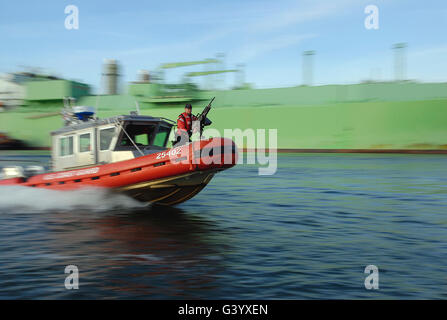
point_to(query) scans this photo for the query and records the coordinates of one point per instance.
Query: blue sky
(267, 36)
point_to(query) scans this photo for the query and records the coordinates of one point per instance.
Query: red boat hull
(167, 177)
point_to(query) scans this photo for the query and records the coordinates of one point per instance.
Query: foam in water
(25, 199)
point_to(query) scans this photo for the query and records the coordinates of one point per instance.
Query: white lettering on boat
(69, 174)
(170, 153)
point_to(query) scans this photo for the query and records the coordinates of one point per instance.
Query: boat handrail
(131, 140)
(169, 120)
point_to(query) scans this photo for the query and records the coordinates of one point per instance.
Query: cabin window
(105, 138)
(140, 134)
(142, 139)
(161, 136)
(66, 146)
(85, 142)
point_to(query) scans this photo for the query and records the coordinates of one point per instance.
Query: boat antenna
(67, 111)
(66, 104)
(72, 101)
(96, 105)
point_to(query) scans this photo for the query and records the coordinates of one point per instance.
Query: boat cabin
(91, 141)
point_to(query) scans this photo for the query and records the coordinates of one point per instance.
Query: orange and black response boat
(126, 154)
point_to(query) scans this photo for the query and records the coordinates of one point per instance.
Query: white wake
(26, 199)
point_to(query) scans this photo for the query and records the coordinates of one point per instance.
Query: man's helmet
(188, 106)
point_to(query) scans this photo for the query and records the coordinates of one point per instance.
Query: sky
(267, 37)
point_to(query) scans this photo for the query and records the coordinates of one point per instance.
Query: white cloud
(250, 50)
(296, 13)
(437, 50)
(237, 22)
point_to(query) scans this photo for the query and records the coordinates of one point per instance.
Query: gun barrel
(204, 121)
(206, 110)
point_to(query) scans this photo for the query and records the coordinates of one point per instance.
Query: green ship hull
(375, 117)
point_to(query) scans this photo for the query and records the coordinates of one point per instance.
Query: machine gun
(204, 121)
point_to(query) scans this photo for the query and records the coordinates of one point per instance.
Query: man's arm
(195, 128)
(181, 125)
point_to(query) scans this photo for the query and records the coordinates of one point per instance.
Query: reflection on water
(159, 252)
(307, 232)
(156, 252)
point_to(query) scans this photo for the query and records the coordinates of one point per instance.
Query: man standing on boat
(184, 126)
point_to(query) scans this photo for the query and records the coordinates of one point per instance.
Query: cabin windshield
(140, 134)
(162, 136)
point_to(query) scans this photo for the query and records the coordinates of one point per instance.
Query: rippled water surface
(306, 232)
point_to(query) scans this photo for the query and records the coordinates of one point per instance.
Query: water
(307, 232)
